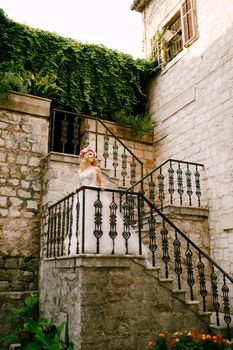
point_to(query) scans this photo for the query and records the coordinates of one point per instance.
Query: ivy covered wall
(94, 80)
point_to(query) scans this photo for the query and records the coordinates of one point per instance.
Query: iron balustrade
(67, 220)
(69, 132)
(174, 182)
(170, 249)
(192, 268)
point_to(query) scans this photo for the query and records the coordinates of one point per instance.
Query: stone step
(153, 271)
(221, 331)
(179, 293)
(205, 316)
(166, 282)
(193, 304)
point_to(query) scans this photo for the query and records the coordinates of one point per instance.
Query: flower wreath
(85, 150)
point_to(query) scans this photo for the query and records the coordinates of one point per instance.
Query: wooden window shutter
(188, 22)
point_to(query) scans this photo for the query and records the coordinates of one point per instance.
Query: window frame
(188, 22)
(186, 11)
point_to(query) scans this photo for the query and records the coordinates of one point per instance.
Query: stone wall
(23, 145)
(192, 102)
(112, 303)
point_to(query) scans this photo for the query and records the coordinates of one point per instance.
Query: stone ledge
(18, 295)
(91, 260)
(25, 103)
(62, 158)
(187, 211)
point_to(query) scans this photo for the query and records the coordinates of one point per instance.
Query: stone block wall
(192, 102)
(112, 303)
(23, 145)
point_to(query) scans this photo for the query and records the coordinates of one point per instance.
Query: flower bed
(189, 341)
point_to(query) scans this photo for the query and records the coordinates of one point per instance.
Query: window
(188, 20)
(173, 38)
(177, 33)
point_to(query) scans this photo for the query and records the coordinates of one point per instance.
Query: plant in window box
(161, 42)
(158, 47)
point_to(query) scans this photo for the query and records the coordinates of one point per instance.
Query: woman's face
(90, 156)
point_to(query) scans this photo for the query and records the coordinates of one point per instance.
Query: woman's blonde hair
(83, 157)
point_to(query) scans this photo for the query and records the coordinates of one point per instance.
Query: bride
(98, 225)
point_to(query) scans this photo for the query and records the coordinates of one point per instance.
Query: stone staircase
(161, 289)
(118, 302)
(194, 222)
(168, 284)
(207, 319)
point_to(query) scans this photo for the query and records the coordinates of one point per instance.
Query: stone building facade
(31, 179)
(191, 100)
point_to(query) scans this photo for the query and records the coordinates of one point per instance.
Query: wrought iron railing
(191, 267)
(71, 219)
(174, 182)
(176, 254)
(69, 132)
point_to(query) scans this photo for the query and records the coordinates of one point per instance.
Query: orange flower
(161, 335)
(208, 336)
(150, 343)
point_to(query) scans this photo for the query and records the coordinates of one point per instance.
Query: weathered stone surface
(192, 100)
(21, 172)
(33, 105)
(111, 308)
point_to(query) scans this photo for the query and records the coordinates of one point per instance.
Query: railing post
(139, 223)
(83, 223)
(52, 131)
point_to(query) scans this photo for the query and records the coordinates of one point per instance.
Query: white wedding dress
(83, 239)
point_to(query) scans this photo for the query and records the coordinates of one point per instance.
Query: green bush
(90, 79)
(35, 333)
(42, 85)
(140, 124)
(11, 81)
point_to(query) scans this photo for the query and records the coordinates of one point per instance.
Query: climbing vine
(91, 79)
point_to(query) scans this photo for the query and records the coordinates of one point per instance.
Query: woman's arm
(99, 178)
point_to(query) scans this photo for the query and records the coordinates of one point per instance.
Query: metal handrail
(96, 119)
(95, 188)
(151, 205)
(218, 301)
(160, 166)
(159, 184)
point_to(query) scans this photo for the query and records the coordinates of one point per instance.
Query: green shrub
(35, 333)
(141, 124)
(42, 85)
(90, 79)
(11, 81)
